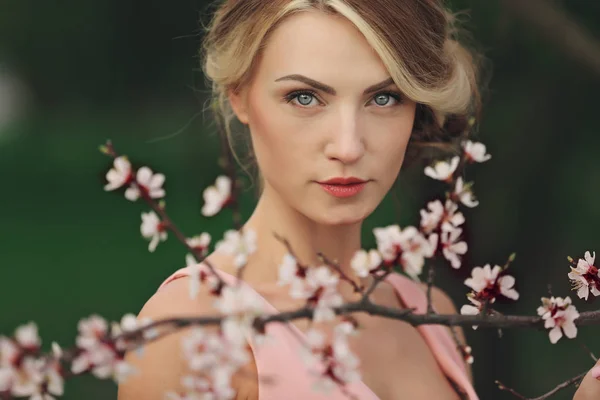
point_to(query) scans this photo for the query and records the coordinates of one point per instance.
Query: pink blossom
(154, 229)
(558, 314)
(147, 183)
(407, 247)
(321, 292)
(487, 283)
(332, 363)
(452, 248)
(216, 358)
(364, 262)
(585, 277)
(119, 174)
(464, 193)
(441, 217)
(97, 351)
(22, 373)
(216, 196)
(240, 245)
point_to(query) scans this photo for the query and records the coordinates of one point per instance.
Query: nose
(346, 142)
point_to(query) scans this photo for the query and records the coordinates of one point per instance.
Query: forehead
(322, 46)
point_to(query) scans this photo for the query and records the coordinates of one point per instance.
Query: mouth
(343, 187)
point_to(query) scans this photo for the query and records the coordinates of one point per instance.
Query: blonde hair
(415, 39)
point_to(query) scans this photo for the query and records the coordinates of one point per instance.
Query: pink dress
(283, 361)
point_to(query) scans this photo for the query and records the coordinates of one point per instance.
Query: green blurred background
(74, 73)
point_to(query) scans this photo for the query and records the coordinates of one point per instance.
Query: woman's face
(321, 105)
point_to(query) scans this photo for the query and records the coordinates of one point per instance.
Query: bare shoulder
(443, 304)
(162, 364)
(440, 299)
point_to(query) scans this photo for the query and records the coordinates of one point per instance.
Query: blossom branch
(364, 305)
(430, 278)
(574, 380)
(167, 222)
(343, 275)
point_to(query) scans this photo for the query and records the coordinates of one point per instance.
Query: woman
(335, 94)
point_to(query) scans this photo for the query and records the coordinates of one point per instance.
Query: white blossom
(152, 228)
(148, 182)
(216, 196)
(199, 275)
(408, 247)
(119, 174)
(475, 151)
(27, 336)
(452, 248)
(585, 277)
(432, 216)
(215, 357)
(319, 285)
(322, 281)
(558, 314)
(441, 217)
(452, 217)
(364, 262)
(37, 379)
(443, 170)
(200, 245)
(239, 299)
(9, 351)
(487, 283)
(97, 352)
(24, 375)
(287, 270)
(239, 245)
(333, 363)
(464, 193)
(472, 309)
(129, 323)
(7, 376)
(200, 242)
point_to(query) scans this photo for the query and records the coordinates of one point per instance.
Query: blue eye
(384, 98)
(304, 98)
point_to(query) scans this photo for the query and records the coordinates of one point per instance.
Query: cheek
(277, 139)
(390, 143)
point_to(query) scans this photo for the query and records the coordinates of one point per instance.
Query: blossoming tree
(214, 356)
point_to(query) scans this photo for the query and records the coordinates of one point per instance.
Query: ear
(238, 98)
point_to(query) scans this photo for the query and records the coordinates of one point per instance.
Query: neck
(307, 238)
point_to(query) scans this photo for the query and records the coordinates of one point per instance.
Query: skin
(299, 141)
(335, 135)
(589, 389)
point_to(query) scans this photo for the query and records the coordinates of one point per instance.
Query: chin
(344, 215)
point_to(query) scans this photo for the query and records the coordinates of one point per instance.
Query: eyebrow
(328, 89)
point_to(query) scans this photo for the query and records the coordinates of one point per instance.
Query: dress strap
(438, 337)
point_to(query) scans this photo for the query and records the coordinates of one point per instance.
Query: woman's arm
(589, 389)
(162, 363)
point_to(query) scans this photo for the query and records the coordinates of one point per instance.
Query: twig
(430, 278)
(376, 281)
(335, 266)
(168, 223)
(574, 380)
(587, 350)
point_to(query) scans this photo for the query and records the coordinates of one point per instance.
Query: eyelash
(292, 95)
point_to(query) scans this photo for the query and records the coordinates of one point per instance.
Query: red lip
(343, 181)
